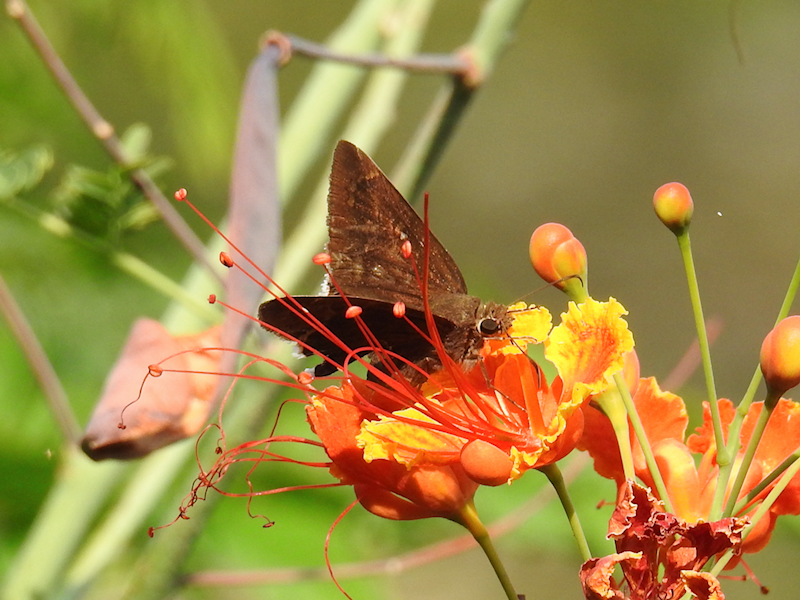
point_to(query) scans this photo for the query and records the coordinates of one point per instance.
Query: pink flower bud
(780, 357)
(674, 206)
(556, 253)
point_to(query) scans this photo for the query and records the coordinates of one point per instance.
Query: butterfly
(368, 223)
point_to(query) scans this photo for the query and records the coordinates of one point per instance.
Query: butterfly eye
(488, 326)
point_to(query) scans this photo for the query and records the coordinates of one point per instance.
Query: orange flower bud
(780, 357)
(485, 463)
(674, 206)
(555, 254)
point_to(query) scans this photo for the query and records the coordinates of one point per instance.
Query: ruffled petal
(589, 346)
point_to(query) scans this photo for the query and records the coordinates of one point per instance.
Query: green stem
(641, 437)
(612, 406)
(685, 245)
(747, 459)
(762, 511)
(553, 474)
(750, 394)
(468, 517)
(127, 263)
(766, 482)
(724, 459)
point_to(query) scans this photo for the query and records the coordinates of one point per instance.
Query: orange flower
(502, 418)
(385, 488)
(691, 485)
(413, 453)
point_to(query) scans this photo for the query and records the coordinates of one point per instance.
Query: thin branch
(42, 369)
(452, 64)
(104, 131)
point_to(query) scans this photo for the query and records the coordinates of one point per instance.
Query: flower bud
(674, 206)
(556, 254)
(485, 463)
(780, 357)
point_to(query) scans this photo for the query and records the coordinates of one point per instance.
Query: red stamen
(155, 371)
(212, 298)
(385, 385)
(180, 196)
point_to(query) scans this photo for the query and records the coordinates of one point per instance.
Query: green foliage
(106, 204)
(21, 172)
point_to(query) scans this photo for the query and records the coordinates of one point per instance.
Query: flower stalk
(556, 479)
(468, 517)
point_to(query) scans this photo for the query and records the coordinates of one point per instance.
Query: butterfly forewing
(368, 220)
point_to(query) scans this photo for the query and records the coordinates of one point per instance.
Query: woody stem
(468, 517)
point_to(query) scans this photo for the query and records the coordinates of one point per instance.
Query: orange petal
(703, 585)
(677, 467)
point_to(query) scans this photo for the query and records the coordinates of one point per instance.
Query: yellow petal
(408, 443)
(588, 346)
(530, 325)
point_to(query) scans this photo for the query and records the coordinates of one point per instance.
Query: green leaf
(105, 204)
(24, 171)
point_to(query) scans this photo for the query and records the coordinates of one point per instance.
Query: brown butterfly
(368, 222)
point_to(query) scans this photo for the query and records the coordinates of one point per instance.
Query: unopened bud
(780, 357)
(559, 258)
(674, 206)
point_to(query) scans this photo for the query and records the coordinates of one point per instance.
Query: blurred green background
(593, 107)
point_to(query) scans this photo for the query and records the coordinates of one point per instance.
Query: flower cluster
(687, 506)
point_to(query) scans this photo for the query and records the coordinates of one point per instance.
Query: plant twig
(51, 386)
(104, 131)
(452, 64)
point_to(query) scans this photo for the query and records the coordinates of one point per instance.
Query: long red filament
(479, 416)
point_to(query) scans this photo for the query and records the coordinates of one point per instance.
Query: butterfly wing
(394, 335)
(368, 221)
